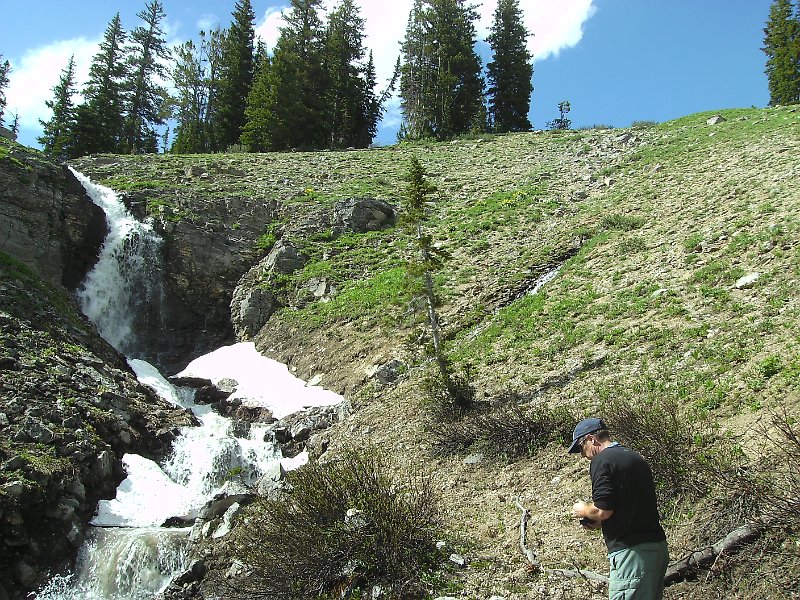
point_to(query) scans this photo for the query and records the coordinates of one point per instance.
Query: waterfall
(124, 293)
(127, 555)
(122, 564)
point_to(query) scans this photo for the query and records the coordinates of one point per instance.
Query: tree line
(782, 47)
(316, 89)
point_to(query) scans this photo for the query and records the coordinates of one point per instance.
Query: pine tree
(147, 99)
(441, 85)
(455, 393)
(297, 82)
(416, 77)
(56, 135)
(212, 48)
(235, 77)
(99, 120)
(460, 89)
(5, 69)
(188, 77)
(371, 111)
(510, 72)
(256, 133)
(346, 98)
(782, 47)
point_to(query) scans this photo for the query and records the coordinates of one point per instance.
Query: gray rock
(389, 372)
(232, 493)
(15, 489)
(284, 258)
(227, 521)
(25, 574)
(458, 560)
(360, 215)
(716, 119)
(747, 281)
(251, 308)
(473, 459)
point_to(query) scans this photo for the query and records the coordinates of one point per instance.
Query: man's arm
(589, 511)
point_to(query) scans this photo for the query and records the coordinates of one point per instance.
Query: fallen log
(697, 559)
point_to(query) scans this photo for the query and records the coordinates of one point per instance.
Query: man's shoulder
(618, 452)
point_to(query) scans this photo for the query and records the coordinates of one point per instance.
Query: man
(624, 505)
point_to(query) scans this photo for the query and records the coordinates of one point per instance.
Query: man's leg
(637, 573)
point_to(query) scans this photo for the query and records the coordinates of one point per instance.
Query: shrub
(511, 430)
(623, 222)
(645, 414)
(342, 527)
(448, 395)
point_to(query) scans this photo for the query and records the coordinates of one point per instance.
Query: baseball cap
(583, 428)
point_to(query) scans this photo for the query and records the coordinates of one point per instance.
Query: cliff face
(210, 220)
(46, 219)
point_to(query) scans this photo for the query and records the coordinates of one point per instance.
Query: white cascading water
(126, 282)
(127, 555)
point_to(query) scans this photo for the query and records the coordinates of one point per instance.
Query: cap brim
(575, 447)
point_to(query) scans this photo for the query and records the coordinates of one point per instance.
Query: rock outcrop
(46, 219)
(70, 407)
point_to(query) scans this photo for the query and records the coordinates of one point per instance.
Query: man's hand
(589, 515)
(587, 523)
(579, 509)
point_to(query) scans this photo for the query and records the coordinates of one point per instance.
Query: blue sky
(616, 61)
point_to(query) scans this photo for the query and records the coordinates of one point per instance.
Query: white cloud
(35, 75)
(555, 25)
(207, 22)
(268, 28)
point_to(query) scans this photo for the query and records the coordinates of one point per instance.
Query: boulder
(359, 215)
(284, 258)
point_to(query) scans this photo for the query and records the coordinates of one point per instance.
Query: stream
(127, 554)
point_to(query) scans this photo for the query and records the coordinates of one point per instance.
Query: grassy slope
(651, 234)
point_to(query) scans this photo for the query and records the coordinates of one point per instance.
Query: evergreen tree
(297, 82)
(348, 94)
(188, 76)
(256, 133)
(415, 77)
(372, 108)
(441, 85)
(56, 137)
(147, 99)
(5, 69)
(99, 120)
(235, 77)
(510, 72)
(15, 124)
(212, 49)
(782, 47)
(454, 391)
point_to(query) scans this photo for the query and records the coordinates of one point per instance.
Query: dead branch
(697, 559)
(531, 555)
(580, 573)
(523, 531)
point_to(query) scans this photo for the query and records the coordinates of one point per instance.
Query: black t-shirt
(623, 482)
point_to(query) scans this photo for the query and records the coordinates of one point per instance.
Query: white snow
(262, 382)
(147, 497)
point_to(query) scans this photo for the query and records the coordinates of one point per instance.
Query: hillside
(678, 254)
